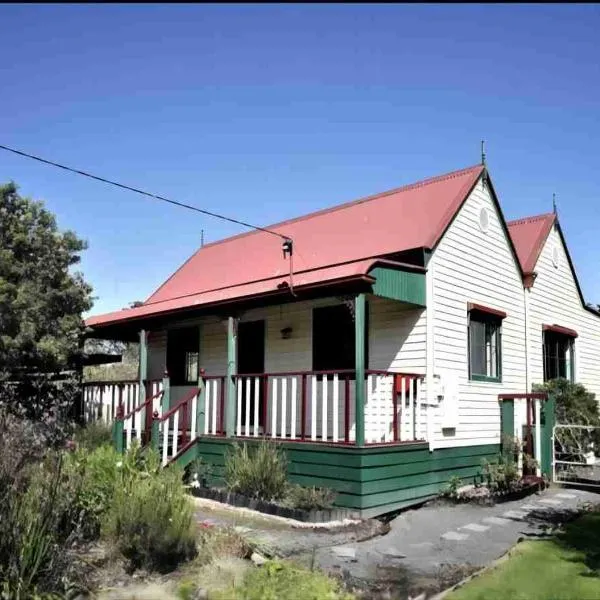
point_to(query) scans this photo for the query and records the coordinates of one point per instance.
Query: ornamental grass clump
(258, 472)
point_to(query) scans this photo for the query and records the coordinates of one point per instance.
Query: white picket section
(256, 404)
(313, 408)
(538, 435)
(238, 428)
(274, 408)
(294, 400)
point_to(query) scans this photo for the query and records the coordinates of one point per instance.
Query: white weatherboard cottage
(381, 350)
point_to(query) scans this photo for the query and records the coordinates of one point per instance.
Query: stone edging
(269, 508)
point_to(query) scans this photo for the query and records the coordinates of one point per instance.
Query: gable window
(183, 355)
(485, 343)
(559, 344)
(333, 337)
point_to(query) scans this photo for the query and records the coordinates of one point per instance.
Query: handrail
(119, 381)
(175, 408)
(143, 404)
(212, 377)
(399, 373)
(297, 373)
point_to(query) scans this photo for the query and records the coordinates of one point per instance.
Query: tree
(41, 299)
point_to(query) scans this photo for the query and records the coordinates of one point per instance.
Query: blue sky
(268, 112)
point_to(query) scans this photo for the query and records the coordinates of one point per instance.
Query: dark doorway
(251, 360)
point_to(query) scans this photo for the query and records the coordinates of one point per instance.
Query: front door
(251, 360)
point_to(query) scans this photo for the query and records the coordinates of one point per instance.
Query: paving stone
(528, 507)
(566, 496)
(497, 521)
(514, 515)
(392, 553)
(550, 501)
(475, 527)
(454, 536)
(241, 529)
(344, 552)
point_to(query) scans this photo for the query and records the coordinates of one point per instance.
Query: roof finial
(554, 204)
(483, 152)
(202, 238)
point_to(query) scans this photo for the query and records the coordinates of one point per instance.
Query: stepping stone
(475, 527)
(454, 536)
(515, 515)
(422, 545)
(528, 507)
(241, 529)
(345, 552)
(497, 521)
(550, 501)
(392, 553)
(567, 496)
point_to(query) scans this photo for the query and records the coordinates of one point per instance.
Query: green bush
(94, 435)
(277, 581)
(151, 520)
(259, 472)
(310, 498)
(92, 477)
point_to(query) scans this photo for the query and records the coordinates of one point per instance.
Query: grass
(565, 567)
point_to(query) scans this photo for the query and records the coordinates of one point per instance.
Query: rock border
(270, 508)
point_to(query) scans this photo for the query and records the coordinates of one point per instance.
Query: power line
(142, 192)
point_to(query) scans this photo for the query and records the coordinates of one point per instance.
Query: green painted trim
(474, 377)
(188, 456)
(507, 417)
(155, 434)
(547, 418)
(360, 315)
(118, 435)
(143, 364)
(230, 404)
(405, 286)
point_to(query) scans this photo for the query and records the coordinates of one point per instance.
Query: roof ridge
(531, 219)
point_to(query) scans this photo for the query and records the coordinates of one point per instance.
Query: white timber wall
(554, 300)
(471, 265)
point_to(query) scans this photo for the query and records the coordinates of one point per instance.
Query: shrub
(151, 519)
(92, 477)
(275, 580)
(259, 472)
(94, 435)
(310, 498)
(198, 473)
(451, 489)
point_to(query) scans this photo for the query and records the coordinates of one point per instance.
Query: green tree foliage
(41, 298)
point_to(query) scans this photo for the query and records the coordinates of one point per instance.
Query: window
(183, 355)
(334, 338)
(485, 345)
(558, 355)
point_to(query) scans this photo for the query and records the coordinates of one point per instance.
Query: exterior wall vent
(484, 219)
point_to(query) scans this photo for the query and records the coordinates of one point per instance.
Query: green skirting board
(370, 480)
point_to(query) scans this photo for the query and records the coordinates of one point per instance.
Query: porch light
(286, 333)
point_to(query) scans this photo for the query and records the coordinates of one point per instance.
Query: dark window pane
(484, 345)
(558, 356)
(183, 355)
(333, 338)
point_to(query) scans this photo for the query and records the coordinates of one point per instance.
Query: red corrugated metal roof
(328, 245)
(528, 236)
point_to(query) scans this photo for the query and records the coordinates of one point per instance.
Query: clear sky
(268, 112)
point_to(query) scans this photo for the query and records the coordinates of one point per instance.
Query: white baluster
(256, 404)
(418, 432)
(193, 419)
(128, 424)
(401, 427)
(324, 402)
(247, 403)
(293, 407)
(274, 409)
(313, 409)
(538, 436)
(371, 430)
(336, 407)
(207, 405)
(283, 407)
(239, 383)
(215, 389)
(175, 432)
(138, 424)
(165, 426)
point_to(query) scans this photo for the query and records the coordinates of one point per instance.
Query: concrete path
(437, 545)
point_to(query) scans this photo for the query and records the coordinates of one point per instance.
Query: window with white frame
(485, 344)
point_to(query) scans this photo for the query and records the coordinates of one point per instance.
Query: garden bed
(272, 508)
(481, 495)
